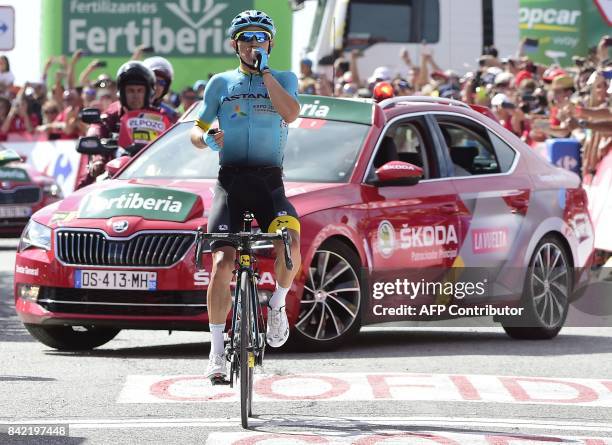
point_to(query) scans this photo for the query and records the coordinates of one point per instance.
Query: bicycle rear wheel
(247, 358)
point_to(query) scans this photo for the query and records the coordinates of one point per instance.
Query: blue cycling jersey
(255, 134)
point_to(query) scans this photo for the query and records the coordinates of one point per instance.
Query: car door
(410, 228)
(493, 188)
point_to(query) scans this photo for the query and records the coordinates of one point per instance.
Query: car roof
(366, 111)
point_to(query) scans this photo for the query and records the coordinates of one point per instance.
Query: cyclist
(163, 79)
(253, 105)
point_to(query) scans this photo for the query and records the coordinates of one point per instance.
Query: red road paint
(376, 386)
(465, 387)
(381, 388)
(265, 388)
(163, 388)
(585, 394)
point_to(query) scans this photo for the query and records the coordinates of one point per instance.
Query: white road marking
(335, 387)
(328, 422)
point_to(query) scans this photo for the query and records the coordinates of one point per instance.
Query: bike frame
(246, 265)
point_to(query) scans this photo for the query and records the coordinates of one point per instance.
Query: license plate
(15, 212)
(115, 279)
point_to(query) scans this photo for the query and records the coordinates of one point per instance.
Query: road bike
(247, 338)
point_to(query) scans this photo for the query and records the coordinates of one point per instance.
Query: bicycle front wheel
(247, 357)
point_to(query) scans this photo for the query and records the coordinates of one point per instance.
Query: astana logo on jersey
(237, 113)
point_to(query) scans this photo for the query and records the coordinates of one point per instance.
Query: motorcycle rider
(136, 85)
(163, 79)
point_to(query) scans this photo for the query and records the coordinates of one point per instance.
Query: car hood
(169, 204)
(19, 174)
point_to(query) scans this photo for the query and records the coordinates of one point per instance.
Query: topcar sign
(175, 28)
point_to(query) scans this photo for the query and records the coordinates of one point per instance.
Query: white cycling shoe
(217, 368)
(277, 331)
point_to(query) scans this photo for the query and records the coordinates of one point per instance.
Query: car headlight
(52, 191)
(35, 235)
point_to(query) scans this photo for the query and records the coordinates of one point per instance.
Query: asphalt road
(391, 385)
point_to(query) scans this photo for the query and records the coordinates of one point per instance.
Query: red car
(23, 191)
(410, 185)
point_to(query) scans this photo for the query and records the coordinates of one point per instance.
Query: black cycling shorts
(257, 189)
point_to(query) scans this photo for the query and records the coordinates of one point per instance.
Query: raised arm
(283, 96)
(76, 56)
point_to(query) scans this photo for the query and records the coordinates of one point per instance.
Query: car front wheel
(72, 338)
(330, 308)
(546, 295)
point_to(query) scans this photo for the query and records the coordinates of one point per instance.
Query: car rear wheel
(546, 293)
(330, 308)
(72, 338)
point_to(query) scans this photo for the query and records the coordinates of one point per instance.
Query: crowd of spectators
(533, 101)
(48, 108)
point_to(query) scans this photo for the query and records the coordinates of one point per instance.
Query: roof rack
(421, 99)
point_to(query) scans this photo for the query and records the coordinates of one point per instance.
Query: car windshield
(316, 151)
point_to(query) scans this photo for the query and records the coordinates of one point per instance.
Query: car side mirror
(90, 115)
(112, 167)
(398, 173)
(7, 156)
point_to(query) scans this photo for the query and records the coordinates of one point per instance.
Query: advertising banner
(58, 159)
(563, 28)
(191, 34)
(600, 204)
(148, 202)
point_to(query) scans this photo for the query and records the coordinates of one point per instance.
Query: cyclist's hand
(214, 140)
(261, 55)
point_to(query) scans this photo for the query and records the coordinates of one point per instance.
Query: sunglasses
(162, 82)
(249, 36)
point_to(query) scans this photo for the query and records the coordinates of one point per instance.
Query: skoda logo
(120, 226)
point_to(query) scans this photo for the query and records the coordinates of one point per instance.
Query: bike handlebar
(240, 237)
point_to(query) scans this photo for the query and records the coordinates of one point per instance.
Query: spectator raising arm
(84, 78)
(46, 68)
(76, 56)
(139, 52)
(58, 87)
(355, 54)
(423, 76)
(602, 49)
(18, 118)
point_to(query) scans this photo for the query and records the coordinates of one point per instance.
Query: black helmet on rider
(136, 73)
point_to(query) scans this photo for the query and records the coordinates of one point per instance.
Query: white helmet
(162, 68)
